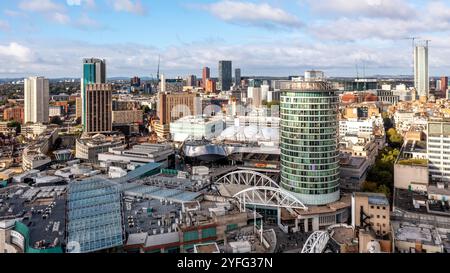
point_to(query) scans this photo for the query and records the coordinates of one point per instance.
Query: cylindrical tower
(309, 142)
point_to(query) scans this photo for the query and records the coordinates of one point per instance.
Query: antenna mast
(159, 65)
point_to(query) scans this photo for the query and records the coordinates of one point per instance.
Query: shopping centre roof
(94, 215)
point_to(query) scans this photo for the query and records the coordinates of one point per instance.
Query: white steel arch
(268, 197)
(317, 242)
(249, 178)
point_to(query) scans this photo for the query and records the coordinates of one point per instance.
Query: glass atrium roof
(94, 215)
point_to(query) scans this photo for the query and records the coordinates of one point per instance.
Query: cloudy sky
(271, 37)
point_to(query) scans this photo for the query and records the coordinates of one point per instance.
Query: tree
(15, 124)
(56, 120)
(385, 190)
(369, 186)
(146, 109)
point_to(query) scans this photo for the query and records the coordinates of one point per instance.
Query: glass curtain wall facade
(225, 75)
(94, 71)
(309, 142)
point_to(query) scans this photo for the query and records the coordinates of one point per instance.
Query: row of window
(321, 99)
(311, 182)
(316, 168)
(306, 154)
(312, 173)
(309, 143)
(311, 192)
(438, 147)
(306, 161)
(294, 116)
(303, 125)
(325, 106)
(299, 136)
(318, 152)
(303, 94)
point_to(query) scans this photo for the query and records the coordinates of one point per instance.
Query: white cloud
(13, 13)
(16, 51)
(372, 8)
(85, 22)
(88, 3)
(40, 6)
(51, 10)
(248, 13)
(278, 57)
(434, 17)
(130, 6)
(4, 26)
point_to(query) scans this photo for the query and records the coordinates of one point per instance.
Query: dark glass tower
(94, 72)
(225, 75)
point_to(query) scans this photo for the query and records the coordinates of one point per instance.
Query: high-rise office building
(94, 72)
(206, 74)
(421, 71)
(210, 86)
(225, 75)
(314, 75)
(438, 147)
(172, 106)
(309, 142)
(191, 80)
(163, 84)
(135, 81)
(36, 95)
(444, 86)
(237, 77)
(98, 108)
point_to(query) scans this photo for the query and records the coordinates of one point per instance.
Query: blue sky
(272, 37)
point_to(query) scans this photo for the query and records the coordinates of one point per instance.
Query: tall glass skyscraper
(225, 75)
(94, 72)
(237, 77)
(309, 142)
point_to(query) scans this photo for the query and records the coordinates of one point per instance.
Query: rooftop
(40, 211)
(207, 248)
(94, 215)
(150, 216)
(374, 198)
(424, 234)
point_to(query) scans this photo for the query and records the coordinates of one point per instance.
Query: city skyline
(50, 37)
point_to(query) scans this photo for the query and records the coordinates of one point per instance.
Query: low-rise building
(35, 155)
(421, 238)
(196, 128)
(353, 172)
(371, 210)
(127, 117)
(88, 148)
(14, 114)
(141, 154)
